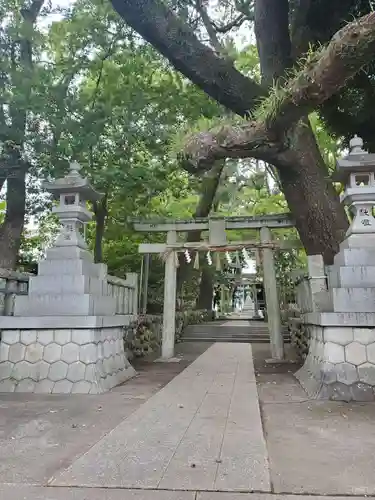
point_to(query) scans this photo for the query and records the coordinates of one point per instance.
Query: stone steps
(211, 332)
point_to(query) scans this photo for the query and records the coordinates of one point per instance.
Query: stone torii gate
(217, 227)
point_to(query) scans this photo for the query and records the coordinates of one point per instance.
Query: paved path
(201, 432)
(199, 438)
(39, 493)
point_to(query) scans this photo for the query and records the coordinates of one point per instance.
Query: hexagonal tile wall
(24, 370)
(6, 369)
(4, 351)
(364, 336)
(17, 353)
(44, 337)
(58, 371)
(62, 337)
(43, 367)
(346, 373)
(342, 336)
(355, 353)
(34, 353)
(370, 349)
(44, 386)
(8, 385)
(62, 387)
(366, 373)
(62, 361)
(88, 353)
(82, 337)
(28, 336)
(10, 336)
(334, 353)
(52, 353)
(81, 387)
(76, 371)
(25, 385)
(70, 353)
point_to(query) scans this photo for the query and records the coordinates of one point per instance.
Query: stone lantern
(357, 172)
(72, 192)
(65, 335)
(340, 364)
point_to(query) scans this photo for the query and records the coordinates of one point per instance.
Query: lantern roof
(73, 183)
(358, 160)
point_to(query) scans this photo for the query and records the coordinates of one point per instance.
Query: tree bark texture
(321, 221)
(272, 36)
(283, 136)
(12, 227)
(206, 290)
(101, 212)
(13, 166)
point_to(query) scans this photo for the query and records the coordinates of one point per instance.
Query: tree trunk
(210, 184)
(12, 227)
(320, 218)
(206, 290)
(272, 36)
(14, 167)
(100, 211)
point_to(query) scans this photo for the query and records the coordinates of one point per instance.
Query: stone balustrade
(125, 291)
(12, 283)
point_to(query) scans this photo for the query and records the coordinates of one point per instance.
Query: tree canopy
(180, 109)
(298, 76)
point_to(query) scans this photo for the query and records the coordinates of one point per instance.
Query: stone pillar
(272, 299)
(317, 277)
(169, 309)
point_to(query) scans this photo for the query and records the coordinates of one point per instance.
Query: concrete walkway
(201, 432)
(198, 438)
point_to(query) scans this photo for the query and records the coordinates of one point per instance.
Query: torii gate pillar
(169, 309)
(272, 299)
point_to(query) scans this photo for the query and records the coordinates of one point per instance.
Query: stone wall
(299, 337)
(89, 361)
(144, 335)
(340, 364)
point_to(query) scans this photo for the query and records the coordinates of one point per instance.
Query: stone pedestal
(340, 364)
(41, 357)
(341, 361)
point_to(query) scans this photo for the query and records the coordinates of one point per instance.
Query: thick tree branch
(272, 34)
(175, 40)
(347, 53)
(240, 141)
(327, 72)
